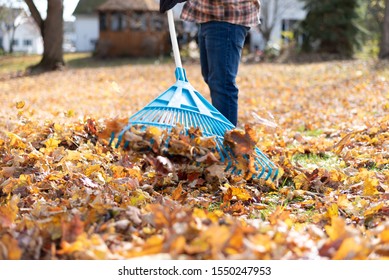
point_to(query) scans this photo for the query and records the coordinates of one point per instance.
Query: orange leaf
(241, 193)
(10, 248)
(20, 104)
(177, 193)
(8, 212)
(384, 236)
(112, 126)
(241, 143)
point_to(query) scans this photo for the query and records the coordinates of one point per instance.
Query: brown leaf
(242, 143)
(177, 193)
(71, 230)
(114, 125)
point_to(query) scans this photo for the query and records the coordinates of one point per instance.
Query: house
(86, 25)
(22, 31)
(282, 16)
(132, 28)
(290, 14)
(69, 36)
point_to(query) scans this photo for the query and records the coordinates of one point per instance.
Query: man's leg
(221, 46)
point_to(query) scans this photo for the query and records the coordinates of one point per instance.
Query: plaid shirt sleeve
(242, 12)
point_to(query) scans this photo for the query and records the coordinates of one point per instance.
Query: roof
(86, 7)
(125, 5)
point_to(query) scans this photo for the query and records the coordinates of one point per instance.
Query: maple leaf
(241, 143)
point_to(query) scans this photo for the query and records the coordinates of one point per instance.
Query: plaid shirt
(242, 12)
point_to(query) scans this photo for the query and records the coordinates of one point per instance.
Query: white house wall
(25, 32)
(295, 11)
(87, 32)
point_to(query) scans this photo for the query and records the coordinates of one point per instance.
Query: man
(223, 26)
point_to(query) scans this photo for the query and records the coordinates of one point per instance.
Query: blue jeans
(221, 45)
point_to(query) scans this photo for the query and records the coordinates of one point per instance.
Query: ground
(65, 193)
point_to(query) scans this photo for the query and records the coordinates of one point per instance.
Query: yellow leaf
(384, 236)
(20, 104)
(337, 229)
(241, 193)
(16, 141)
(337, 176)
(370, 186)
(91, 169)
(153, 132)
(350, 250)
(300, 181)
(70, 113)
(138, 197)
(332, 210)
(58, 128)
(52, 143)
(178, 245)
(10, 247)
(117, 170)
(73, 155)
(374, 209)
(9, 212)
(342, 143)
(343, 202)
(199, 213)
(35, 154)
(197, 245)
(153, 245)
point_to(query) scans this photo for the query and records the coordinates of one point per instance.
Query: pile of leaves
(67, 193)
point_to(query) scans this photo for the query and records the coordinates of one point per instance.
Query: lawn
(65, 193)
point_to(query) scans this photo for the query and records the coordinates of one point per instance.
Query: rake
(182, 104)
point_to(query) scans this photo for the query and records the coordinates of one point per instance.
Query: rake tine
(112, 138)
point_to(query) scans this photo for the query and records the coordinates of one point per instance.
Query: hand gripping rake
(182, 104)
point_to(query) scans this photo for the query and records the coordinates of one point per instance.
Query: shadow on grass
(16, 66)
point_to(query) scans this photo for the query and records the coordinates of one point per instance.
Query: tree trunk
(11, 41)
(52, 33)
(384, 50)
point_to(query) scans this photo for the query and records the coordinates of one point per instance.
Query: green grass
(307, 132)
(17, 62)
(311, 161)
(214, 206)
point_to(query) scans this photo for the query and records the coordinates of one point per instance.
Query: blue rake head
(182, 104)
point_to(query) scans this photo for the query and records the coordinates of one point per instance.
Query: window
(103, 21)
(138, 21)
(156, 23)
(15, 42)
(27, 42)
(117, 21)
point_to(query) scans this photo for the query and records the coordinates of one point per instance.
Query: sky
(69, 6)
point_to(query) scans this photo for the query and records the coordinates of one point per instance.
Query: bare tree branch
(35, 14)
